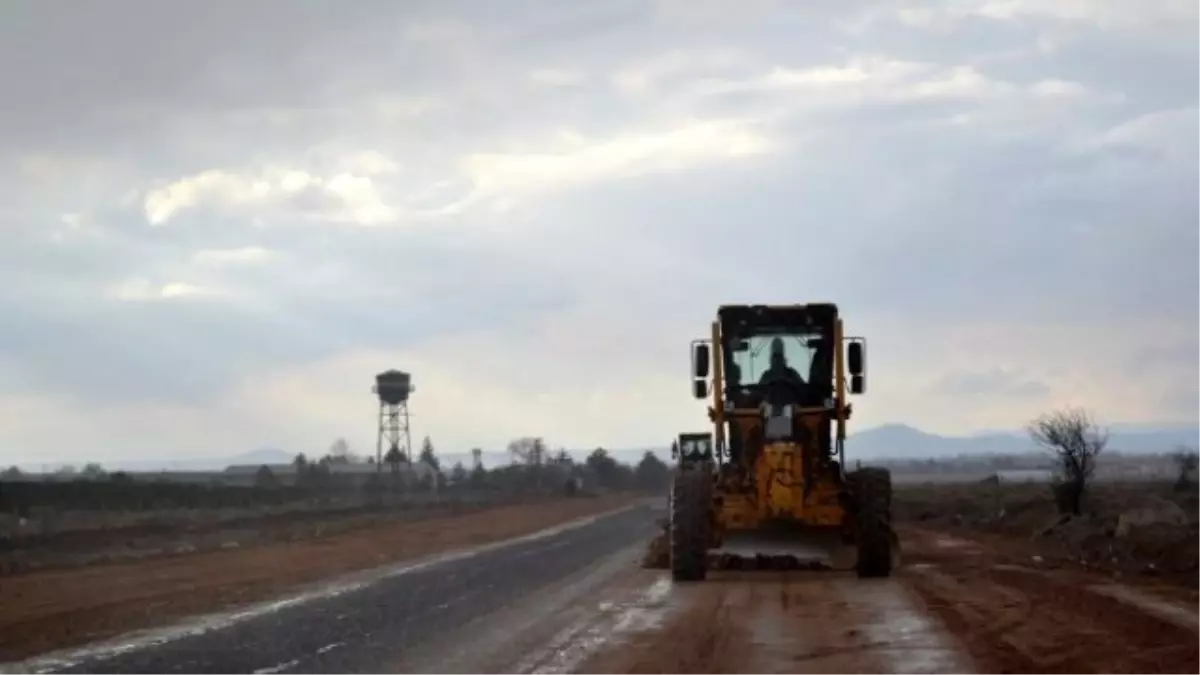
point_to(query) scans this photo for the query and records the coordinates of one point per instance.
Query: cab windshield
(698, 447)
(751, 357)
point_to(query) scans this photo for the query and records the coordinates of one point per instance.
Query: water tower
(393, 388)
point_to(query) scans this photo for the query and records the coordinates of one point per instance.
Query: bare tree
(93, 471)
(1186, 461)
(265, 478)
(394, 458)
(340, 452)
(1076, 441)
(529, 451)
(429, 455)
(458, 473)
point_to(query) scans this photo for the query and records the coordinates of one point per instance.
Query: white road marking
(330, 647)
(143, 639)
(278, 668)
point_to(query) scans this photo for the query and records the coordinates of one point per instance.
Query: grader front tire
(872, 490)
(690, 524)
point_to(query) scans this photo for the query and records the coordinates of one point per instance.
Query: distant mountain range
(896, 441)
(216, 463)
(901, 441)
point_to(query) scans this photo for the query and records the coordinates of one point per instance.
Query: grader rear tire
(872, 492)
(690, 523)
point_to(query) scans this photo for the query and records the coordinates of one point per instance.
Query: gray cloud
(327, 293)
(989, 383)
(230, 195)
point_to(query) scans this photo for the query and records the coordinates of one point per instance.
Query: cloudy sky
(220, 219)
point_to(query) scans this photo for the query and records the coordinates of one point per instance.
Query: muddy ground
(48, 609)
(1014, 613)
(991, 579)
(1130, 530)
(73, 538)
(955, 605)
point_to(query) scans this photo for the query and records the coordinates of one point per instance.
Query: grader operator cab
(694, 447)
(773, 488)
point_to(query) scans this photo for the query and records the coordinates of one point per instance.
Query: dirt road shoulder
(1016, 617)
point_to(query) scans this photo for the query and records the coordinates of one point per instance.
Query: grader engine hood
(789, 474)
(779, 483)
(782, 450)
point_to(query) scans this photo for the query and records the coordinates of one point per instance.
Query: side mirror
(854, 358)
(857, 384)
(701, 358)
(700, 388)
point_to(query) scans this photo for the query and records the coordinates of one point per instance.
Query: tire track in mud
(702, 636)
(982, 621)
(772, 622)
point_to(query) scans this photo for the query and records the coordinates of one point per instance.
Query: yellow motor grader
(768, 486)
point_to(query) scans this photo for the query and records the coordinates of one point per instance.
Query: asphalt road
(371, 628)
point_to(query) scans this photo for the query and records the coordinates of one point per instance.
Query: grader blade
(765, 549)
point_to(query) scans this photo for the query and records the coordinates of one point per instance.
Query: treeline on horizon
(534, 472)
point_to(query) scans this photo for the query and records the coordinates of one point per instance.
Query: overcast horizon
(887, 442)
(221, 219)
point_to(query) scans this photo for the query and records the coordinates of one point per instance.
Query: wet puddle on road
(901, 634)
(753, 621)
(847, 625)
(646, 611)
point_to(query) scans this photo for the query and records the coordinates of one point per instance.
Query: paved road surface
(395, 620)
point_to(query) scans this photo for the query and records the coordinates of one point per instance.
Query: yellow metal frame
(718, 386)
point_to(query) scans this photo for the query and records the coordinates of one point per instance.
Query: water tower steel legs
(394, 432)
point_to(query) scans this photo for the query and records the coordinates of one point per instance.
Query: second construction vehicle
(769, 482)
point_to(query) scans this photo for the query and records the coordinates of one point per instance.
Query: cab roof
(812, 313)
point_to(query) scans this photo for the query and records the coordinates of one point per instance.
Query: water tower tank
(393, 386)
